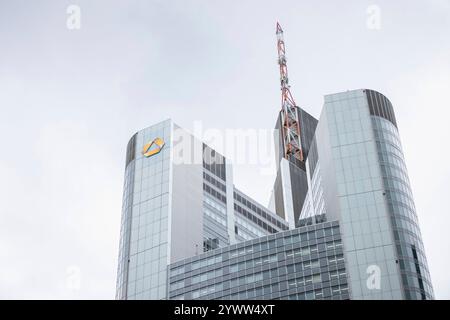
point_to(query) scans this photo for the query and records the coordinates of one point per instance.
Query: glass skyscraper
(342, 224)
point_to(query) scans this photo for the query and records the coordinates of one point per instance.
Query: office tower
(178, 202)
(291, 183)
(294, 131)
(188, 233)
(357, 175)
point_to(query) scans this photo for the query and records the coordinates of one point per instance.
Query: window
(290, 269)
(315, 264)
(258, 276)
(306, 251)
(318, 294)
(300, 282)
(259, 291)
(334, 274)
(177, 285)
(310, 295)
(316, 278)
(195, 279)
(177, 271)
(195, 265)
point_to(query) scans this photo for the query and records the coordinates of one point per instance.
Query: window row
(301, 266)
(257, 292)
(216, 205)
(216, 217)
(249, 227)
(336, 259)
(207, 276)
(303, 281)
(252, 263)
(267, 216)
(304, 251)
(207, 290)
(206, 262)
(214, 193)
(253, 218)
(214, 182)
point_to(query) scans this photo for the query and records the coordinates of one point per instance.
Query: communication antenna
(289, 115)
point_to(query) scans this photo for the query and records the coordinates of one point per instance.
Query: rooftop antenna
(289, 115)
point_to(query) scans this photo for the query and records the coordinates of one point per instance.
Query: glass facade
(144, 240)
(188, 233)
(215, 231)
(301, 264)
(375, 205)
(365, 222)
(253, 220)
(163, 195)
(408, 240)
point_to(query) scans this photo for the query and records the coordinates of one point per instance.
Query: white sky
(70, 100)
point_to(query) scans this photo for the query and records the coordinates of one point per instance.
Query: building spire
(289, 115)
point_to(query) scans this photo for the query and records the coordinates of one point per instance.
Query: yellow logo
(157, 145)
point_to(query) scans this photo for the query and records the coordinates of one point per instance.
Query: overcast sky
(71, 99)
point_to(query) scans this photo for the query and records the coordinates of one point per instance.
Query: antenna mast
(289, 115)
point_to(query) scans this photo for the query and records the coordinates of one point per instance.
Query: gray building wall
(327, 166)
(187, 197)
(301, 264)
(357, 189)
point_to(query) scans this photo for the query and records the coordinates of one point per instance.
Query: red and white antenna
(289, 115)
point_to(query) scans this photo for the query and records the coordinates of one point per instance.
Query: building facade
(343, 224)
(291, 183)
(299, 264)
(357, 175)
(178, 203)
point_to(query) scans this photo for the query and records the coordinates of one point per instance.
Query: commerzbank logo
(152, 148)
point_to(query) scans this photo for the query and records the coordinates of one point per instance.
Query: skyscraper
(357, 175)
(178, 202)
(291, 183)
(344, 224)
